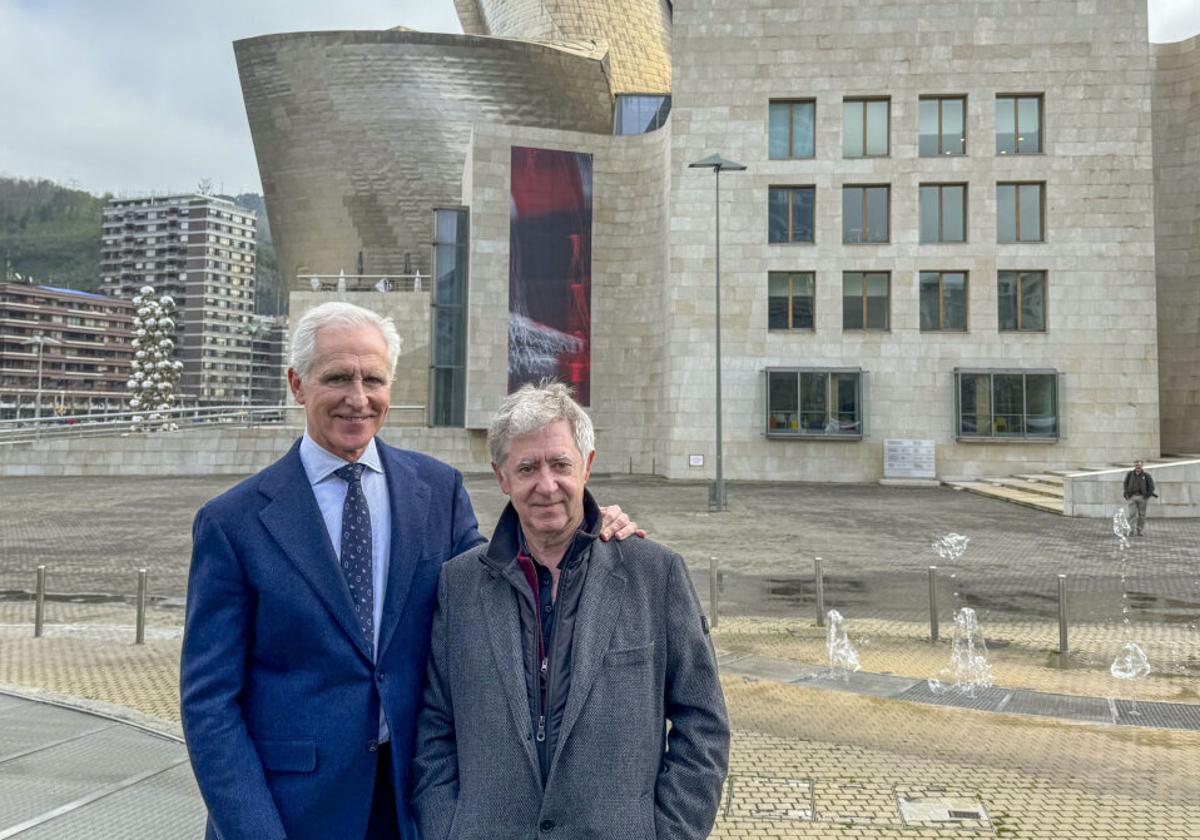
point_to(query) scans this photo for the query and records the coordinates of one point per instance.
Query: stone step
(1037, 501)
(1027, 486)
(1044, 478)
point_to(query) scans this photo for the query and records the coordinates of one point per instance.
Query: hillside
(52, 233)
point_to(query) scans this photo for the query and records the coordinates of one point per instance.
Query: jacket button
(372, 745)
(379, 676)
(547, 825)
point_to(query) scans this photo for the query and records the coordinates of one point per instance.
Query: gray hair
(336, 313)
(533, 408)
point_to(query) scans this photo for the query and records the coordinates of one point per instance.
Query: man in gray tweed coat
(557, 661)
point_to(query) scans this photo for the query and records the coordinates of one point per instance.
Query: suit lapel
(295, 522)
(504, 633)
(599, 609)
(409, 498)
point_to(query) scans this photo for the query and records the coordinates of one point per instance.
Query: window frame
(791, 104)
(887, 327)
(940, 186)
(887, 188)
(941, 327)
(1020, 275)
(1017, 185)
(864, 101)
(792, 276)
(1008, 437)
(1041, 135)
(939, 98)
(800, 433)
(792, 190)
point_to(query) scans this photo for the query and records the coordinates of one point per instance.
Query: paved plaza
(809, 759)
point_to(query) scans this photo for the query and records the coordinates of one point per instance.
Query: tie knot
(351, 473)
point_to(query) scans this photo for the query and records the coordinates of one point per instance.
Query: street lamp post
(716, 495)
(41, 340)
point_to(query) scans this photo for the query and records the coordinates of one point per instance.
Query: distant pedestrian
(1139, 487)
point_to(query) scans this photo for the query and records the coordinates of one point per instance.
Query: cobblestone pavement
(806, 762)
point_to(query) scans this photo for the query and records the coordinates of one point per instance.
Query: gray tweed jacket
(642, 656)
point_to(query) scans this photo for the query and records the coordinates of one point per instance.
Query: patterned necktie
(356, 548)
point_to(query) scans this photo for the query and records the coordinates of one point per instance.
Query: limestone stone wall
(410, 312)
(1099, 494)
(360, 135)
(1177, 225)
(1091, 61)
(629, 275)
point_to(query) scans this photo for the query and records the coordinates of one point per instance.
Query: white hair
(534, 407)
(336, 313)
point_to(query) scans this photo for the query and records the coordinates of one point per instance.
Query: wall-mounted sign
(695, 460)
(908, 458)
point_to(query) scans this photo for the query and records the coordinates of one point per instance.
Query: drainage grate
(1094, 709)
(938, 806)
(1159, 715)
(987, 699)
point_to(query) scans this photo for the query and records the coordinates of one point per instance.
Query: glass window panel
(1029, 122)
(448, 289)
(877, 214)
(844, 387)
(929, 214)
(1033, 301)
(447, 226)
(877, 301)
(975, 404)
(777, 301)
(1008, 396)
(1006, 125)
(802, 301)
(777, 144)
(802, 129)
(777, 215)
(1030, 196)
(802, 214)
(852, 214)
(1006, 213)
(954, 214)
(929, 301)
(1041, 410)
(852, 129)
(448, 346)
(852, 301)
(877, 127)
(927, 127)
(813, 413)
(954, 301)
(954, 138)
(782, 401)
(1006, 289)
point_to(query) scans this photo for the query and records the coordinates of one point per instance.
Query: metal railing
(123, 422)
(364, 282)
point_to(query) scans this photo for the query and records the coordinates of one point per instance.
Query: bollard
(39, 610)
(713, 575)
(933, 612)
(1062, 614)
(820, 591)
(140, 634)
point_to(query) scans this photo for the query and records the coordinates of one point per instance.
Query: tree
(152, 384)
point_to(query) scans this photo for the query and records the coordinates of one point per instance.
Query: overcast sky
(143, 95)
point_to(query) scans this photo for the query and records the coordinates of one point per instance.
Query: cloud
(137, 95)
(1173, 20)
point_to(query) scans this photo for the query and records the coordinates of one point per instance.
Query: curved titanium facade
(1176, 115)
(360, 135)
(637, 32)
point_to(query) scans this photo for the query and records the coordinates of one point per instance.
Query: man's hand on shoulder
(616, 523)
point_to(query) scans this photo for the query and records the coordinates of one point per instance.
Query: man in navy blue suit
(310, 597)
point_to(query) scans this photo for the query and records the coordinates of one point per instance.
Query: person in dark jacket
(557, 660)
(1139, 487)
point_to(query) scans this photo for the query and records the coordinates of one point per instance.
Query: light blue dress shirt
(320, 465)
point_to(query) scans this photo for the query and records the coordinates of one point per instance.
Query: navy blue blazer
(280, 696)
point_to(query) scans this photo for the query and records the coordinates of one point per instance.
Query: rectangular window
(944, 300)
(791, 129)
(865, 300)
(448, 348)
(943, 212)
(1022, 301)
(1019, 124)
(638, 113)
(1019, 212)
(790, 298)
(865, 213)
(865, 127)
(810, 402)
(790, 214)
(1007, 404)
(942, 125)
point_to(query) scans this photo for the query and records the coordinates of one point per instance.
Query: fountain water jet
(843, 658)
(968, 670)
